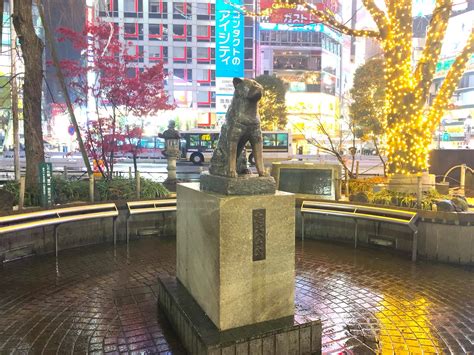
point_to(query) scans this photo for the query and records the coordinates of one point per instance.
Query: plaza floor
(101, 299)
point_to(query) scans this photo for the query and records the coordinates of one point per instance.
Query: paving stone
(100, 301)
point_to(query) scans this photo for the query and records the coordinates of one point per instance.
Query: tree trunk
(135, 165)
(32, 52)
(1, 18)
(14, 96)
(379, 153)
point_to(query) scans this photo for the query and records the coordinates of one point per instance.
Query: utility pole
(14, 100)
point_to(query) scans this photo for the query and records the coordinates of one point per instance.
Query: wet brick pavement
(99, 300)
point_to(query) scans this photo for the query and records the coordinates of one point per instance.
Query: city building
(455, 129)
(182, 34)
(307, 56)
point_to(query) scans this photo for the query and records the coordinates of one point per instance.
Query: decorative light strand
(408, 124)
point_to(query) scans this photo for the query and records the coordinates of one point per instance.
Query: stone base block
(236, 254)
(243, 185)
(409, 183)
(200, 336)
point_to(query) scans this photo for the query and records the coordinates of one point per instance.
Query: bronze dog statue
(242, 125)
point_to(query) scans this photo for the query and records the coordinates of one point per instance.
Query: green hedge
(391, 198)
(65, 191)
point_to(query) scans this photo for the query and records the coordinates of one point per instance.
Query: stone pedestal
(409, 183)
(242, 185)
(236, 254)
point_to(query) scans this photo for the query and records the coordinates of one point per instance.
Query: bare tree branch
(331, 21)
(379, 17)
(450, 83)
(427, 65)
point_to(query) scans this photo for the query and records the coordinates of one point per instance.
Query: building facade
(307, 56)
(181, 34)
(455, 129)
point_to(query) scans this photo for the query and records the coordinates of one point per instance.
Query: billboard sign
(229, 39)
(296, 16)
(229, 52)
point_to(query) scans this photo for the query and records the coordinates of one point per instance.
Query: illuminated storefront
(455, 129)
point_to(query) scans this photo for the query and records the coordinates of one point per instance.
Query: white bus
(198, 145)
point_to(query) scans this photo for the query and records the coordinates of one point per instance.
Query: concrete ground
(97, 299)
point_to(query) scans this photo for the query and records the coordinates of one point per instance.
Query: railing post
(419, 191)
(462, 179)
(91, 187)
(65, 172)
(346, 181)
(130, 173)
(137, 178)
(357, 169)
(21, 200)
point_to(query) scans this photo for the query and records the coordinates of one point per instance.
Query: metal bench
(150, 206)
(56, 217)
(376, 214)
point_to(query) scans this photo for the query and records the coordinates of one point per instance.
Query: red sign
(58, 109)
(293, 16)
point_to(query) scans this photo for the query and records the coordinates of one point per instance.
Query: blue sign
(312, 27)
(229, 39)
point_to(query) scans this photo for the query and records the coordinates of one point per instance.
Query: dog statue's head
(248, 89)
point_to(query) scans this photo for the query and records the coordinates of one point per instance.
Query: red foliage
(113, 89)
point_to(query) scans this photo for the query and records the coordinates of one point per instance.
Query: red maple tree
(109, 75)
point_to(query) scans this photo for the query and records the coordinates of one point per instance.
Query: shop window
(203, 54)
(157, 9)
(182, 10)
(183, 74)
(182, 32)
(205, 33)
(108, 8)
(158, 53)
(158, 32)
(204, 99)
(205, 11)
(133, 31)
(182, 54)
(135, 54)
(132, 72)
(133, 8)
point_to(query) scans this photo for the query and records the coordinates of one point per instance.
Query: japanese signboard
(229, 39)
(296, 16)
(229, 52)
(46, 175)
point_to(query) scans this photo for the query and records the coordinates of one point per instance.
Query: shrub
(366, 184)
(65, 191)
(386, 197)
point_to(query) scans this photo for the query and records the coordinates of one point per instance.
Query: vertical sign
(46, 175)
(259, 234)
(229, 51)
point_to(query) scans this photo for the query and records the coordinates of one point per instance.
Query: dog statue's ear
(236, 81)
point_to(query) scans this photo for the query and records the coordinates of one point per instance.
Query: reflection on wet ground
(101, 301)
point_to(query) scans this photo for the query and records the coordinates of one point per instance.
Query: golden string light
(409, 129)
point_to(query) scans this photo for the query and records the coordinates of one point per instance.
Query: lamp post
(172, 152)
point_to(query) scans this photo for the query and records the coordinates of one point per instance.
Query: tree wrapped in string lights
(410, 124)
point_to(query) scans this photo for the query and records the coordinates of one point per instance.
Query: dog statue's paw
(262, 173)
(233, 174)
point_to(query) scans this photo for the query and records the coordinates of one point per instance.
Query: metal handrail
(57, 217)
(356, 212)
(455, 167)
(148, 206)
